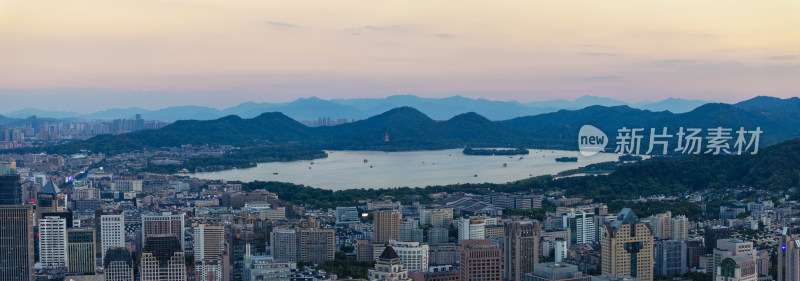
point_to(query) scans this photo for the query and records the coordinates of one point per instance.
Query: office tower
(317, 245)
(283, 244)
(162, 259)
(661, 225)
(414, 255)
(732, 247)
(437, 235)
(714, 233)
(8, 166)
(81, 251)
(16, 242)
(471, 229)
(386, 226)
(257, 268)
(164, 224)
(520, 248)
(736, 268)
(346, 215)
(440, 217)
(480, 260)
(670, 257)
(627, 247)
(112, 231)
(679, 228)
(244, 231)
(208, 270)
(555, 271)
(209, 242)
(53, 241)
(389, 267)
(789, 255)
(47, 199)
(364, 250)
(581, 227)
(409, 231)
(118, 265)
(10, 189)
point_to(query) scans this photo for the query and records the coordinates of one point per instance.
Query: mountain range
(411, 129)
(314, 108)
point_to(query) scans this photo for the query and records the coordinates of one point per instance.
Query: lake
(348, 169)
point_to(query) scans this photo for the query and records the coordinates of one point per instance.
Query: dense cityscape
(91, 216)
(397, 140)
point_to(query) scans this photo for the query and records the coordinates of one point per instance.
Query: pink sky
(96, 54)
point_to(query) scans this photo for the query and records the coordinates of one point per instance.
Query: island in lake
(491, 151)
(567, 159)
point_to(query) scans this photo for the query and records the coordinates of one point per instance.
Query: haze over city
(93, 55)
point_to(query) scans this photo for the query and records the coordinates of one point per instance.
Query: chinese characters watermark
(718, 140)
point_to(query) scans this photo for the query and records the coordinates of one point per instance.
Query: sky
(89, 55)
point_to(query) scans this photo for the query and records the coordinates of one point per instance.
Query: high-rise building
(346, 215)
(414, 255)
(679, 228)
(670, 257)
(118, 265)
(389, 267)
(560, 250)
(112, 231)
(81, 251)
(481, 260)
(661, 225)
(162, 259)
(10, 189)
(16, 243)
(164, 224)
(245, 231)
(364, 251)
(315, 245)
(474, 228)
(209, 242)
(53, 241)
(437, 235)
(520, 248)
(409, 231)
(581, 227)
(47, 199)
(627, 247)
(283, 244)
(714, 233)
(789, 255)
(439, 217)
(386, 226)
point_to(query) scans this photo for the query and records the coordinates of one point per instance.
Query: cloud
(684, 64)
(786, 57)
(444, 35)
(282, 25)
(601, 54)
(376, 28)
(602, 77)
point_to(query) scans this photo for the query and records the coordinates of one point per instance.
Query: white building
(164, 224)
(474, 228)
(560, 250)
(127, 185)
(112, 232)
(581, 227)
(53, 242)
(679, 228)
(414, 255)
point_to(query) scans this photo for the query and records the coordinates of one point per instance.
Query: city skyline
(97, 55)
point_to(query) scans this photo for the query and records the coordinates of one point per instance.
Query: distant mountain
(671, 104)
(411, 129)
(5, 120)
(314, 108)
(766, 104)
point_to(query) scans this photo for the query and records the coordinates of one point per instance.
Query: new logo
(591, 140)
